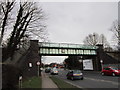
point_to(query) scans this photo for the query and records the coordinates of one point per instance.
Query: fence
(112, 65)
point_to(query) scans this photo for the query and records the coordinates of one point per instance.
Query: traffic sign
(30, 64)
(38, 63)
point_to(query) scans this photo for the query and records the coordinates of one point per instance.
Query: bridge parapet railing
(66, 45)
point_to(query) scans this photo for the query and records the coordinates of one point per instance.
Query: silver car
(54, 71)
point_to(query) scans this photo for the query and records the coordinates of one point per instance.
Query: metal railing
(66, 45)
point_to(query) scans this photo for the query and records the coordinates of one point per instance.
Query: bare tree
(94, 39)
(116, 30)
(91, 39)
(5, 9)
(28, 22)
(103, 41)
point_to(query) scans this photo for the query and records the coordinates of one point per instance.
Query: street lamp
(94, 42)
(81, 62)
(101, 64)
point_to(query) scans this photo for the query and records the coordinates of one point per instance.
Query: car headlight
(116, 71)
(81, 73)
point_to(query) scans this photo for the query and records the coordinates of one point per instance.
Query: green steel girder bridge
(65, 49)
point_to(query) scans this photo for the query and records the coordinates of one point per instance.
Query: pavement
(47, 82)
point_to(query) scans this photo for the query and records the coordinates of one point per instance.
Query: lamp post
(101, 64)
(94, 42)
(81, 62)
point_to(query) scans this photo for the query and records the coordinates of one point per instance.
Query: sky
(71, 22)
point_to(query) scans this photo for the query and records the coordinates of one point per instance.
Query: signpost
(20, 81)
(38, 64)
(30, 65)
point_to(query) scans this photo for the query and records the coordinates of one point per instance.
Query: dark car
(75, 74)
(47, 70)
(110, 71)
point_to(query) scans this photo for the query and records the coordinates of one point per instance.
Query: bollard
(20, 81)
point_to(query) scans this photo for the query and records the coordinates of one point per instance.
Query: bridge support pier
(28, 64)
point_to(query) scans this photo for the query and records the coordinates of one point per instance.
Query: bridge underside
(64, 55)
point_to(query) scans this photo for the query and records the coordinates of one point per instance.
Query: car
(47, 70)
(110, 71)
(54, 71)
(75, 74)
(41, 69)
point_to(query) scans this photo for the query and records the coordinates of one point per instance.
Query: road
(92, 79)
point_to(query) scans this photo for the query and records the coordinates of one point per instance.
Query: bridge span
(63, 49)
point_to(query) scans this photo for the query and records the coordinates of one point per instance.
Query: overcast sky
(71, 22)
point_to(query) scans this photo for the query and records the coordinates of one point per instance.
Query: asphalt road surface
(92, 79)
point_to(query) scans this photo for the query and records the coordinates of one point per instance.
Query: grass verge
(34, 82)
(61, 84)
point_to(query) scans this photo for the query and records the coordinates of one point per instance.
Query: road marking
(76, 85)
(72, 83)
(102, 80)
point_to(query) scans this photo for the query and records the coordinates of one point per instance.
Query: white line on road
(102, 80)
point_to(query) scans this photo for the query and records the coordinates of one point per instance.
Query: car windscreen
(54, 69)
(114, 68)
(77, 71)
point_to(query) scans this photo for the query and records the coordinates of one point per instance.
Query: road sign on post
(38, 64)
(20, 81)
(30, 64)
